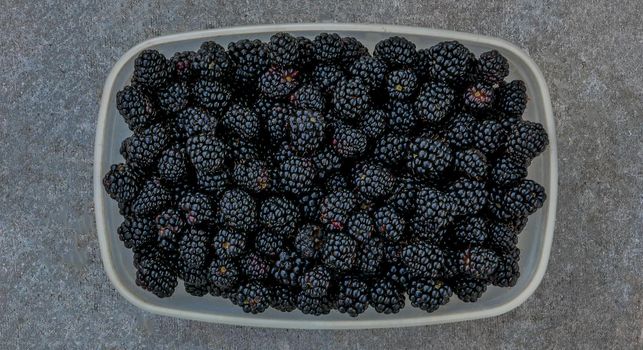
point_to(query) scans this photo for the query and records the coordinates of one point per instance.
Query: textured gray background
(53, 62)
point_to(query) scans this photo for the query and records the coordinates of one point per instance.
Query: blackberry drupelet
(313, 306)
(207, 153)
(157, 277)
(389, 223)
(279, 215)
(469, 196)
(237, 210)
(401, 84)
(353, 50)
(385, 297)
(151, 70)
(289, 268)
(315, 282)
(479, 96)
(153, 198)
(136, 232)
(174, 97)
(309, 241)
(353, 296)
(428, 157)
(296, 175)
(306, 131)
(477, 262)
(308, 96)
(489, 136)
(284, 50)
(278, 82)
(371, 70)
(252, 175)
(212, 95)
(429, 294)
(468, 289)
(121, 184)
(526, 140)
(396, 52)
(229, 243)
(173, 164)
(450, 62)
(224, 273)
(520, 200)
(253, 297)
(512, 98)
(284, 299)
(328, 47)
(361, 226)
(492, 67)
(181, 65)
(212, 62)
(471, 230)
(471, 162)
(506, 171)
(434, 102)
(241, 121)
(197, 208)
(335, 209)
(339, 251)
(349, 142)
(351, 98)
(137, 109)
(423, 260)
(373, 180)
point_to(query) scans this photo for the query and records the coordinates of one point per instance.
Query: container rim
(98, 170)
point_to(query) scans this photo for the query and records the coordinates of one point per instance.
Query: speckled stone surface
(55, 56)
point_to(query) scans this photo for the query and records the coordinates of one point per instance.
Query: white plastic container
(535, 241)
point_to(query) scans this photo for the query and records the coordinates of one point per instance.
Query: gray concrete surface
(55, 56)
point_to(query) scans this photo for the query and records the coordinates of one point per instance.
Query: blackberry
(174, 97)
(207, 153)
(349, 142)
(269, 243)
(403, 196)
(253, 297)
(385, 297)
(423, 65)
(479, 96)
(309, 241)
(254, 267)
(326, 161)
(361, 226)
(315, 282)
(353, 50)
(157, 277)
(237, 210)
(279, 215)
(396, 52)
(391, 149)
(212, 62)
(296, 175)
(450, 62)
(284, 299)
(434, 210)
(389, 223)
(241, 121)
(328, 47)
(471, 162)
(278, 82)
(252, 175)
(336, 181)
(196, 208)
(517, 224)
(284, 50)
(469, 196)
(459, 130)
(196, 290)
(276, 119)
(289, 268)
(353, 296)
(398, 274)
(371, 70)
(374, 123)
(120, 183)
(196, 275)
(137, 109)
(173, 164)
(181, 64)
(502, 237)
(170, 226)
(224, 273)
(492, 67)
(239, 149)
(192, 121)
(213, 183)
(423, 260)
(469, 289)
(194, 248)
(308, 96)
(229, 243)
(370, 256)
(144, 147)
(252, 58)
(153, 198)
(306, 131)
(471, 230)
(351, 98)
(339, 252)
(402, 116)
(428, 157)
(520, 200)
(309, 204)
(506, 171)
(335, 209)
(306, 51)
(211, 95)
(401, 84)
(477, 262)
(526, 140)
(313, 306)
(326, 76)
(489, 136)
(151, 70)
(507, 272)
(136, 232)
(434, 102)
(429, 294)
(373, 180)
(512, 98)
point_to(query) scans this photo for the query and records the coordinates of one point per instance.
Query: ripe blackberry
(517, 224)
(361, 226)
(374, 123)
(269, 243)
(403, 196)
(239, 149)
(349, 142)
(252, 175)
(237, 210)
(520, 200)
(512, 98)
(469, 196)
(396, 52)
(212, 183)
(526, 140)
(353, 50)
(326, 76)
(450, 62)
(401, 84)
(328, 47)
(241, 121)
(308, 96)
(385, 297)
(489, 136)
(306, 131)
(276, 119)
(284, 299)
(174, 97)
(196, 275)
(296, 175)
(211, 95)
(423, 65)
(398, 274)
(502, 238)
(339, 252)
(284, 50)
(253, 297)
(353, 296)
(492, 67)
(169, 226)
(254, 267)
(212, 62)
(181, 65)
(458, 131)
(192, 121)
(373, 180)
(336, 181)
(506, 171)
(196, 208)
(173, 164)
(402, 116)
(391, 149)
(224, 273)
(469, 289)
(157, 277)
(479, 96)
(471, 230)
(423, 260)
(289, 268)
(229, 243)
(194, 248)
(429, 294)
(206, 152)
(351, 98)
(434, 102)
(306, 51)
(428, 157)
(278, 82)
(196, 290)
(370, 256)
(389, 223)
(136, 232)
(477, 262)
(309, 204)
(335, 209)
(309, 241)
(326, 161)
(144, 147)
(313, 306)
(137, 109)
(434, 210)
(251, 57)
(153, 198)
(371, 70)
(507, 272)
(471, 162)
(120, 183)
(279, 215)
(315, 282)
(151, 70)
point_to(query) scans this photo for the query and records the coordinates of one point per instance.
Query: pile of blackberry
(314, 175)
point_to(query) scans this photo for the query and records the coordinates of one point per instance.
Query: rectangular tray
(535, 241)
